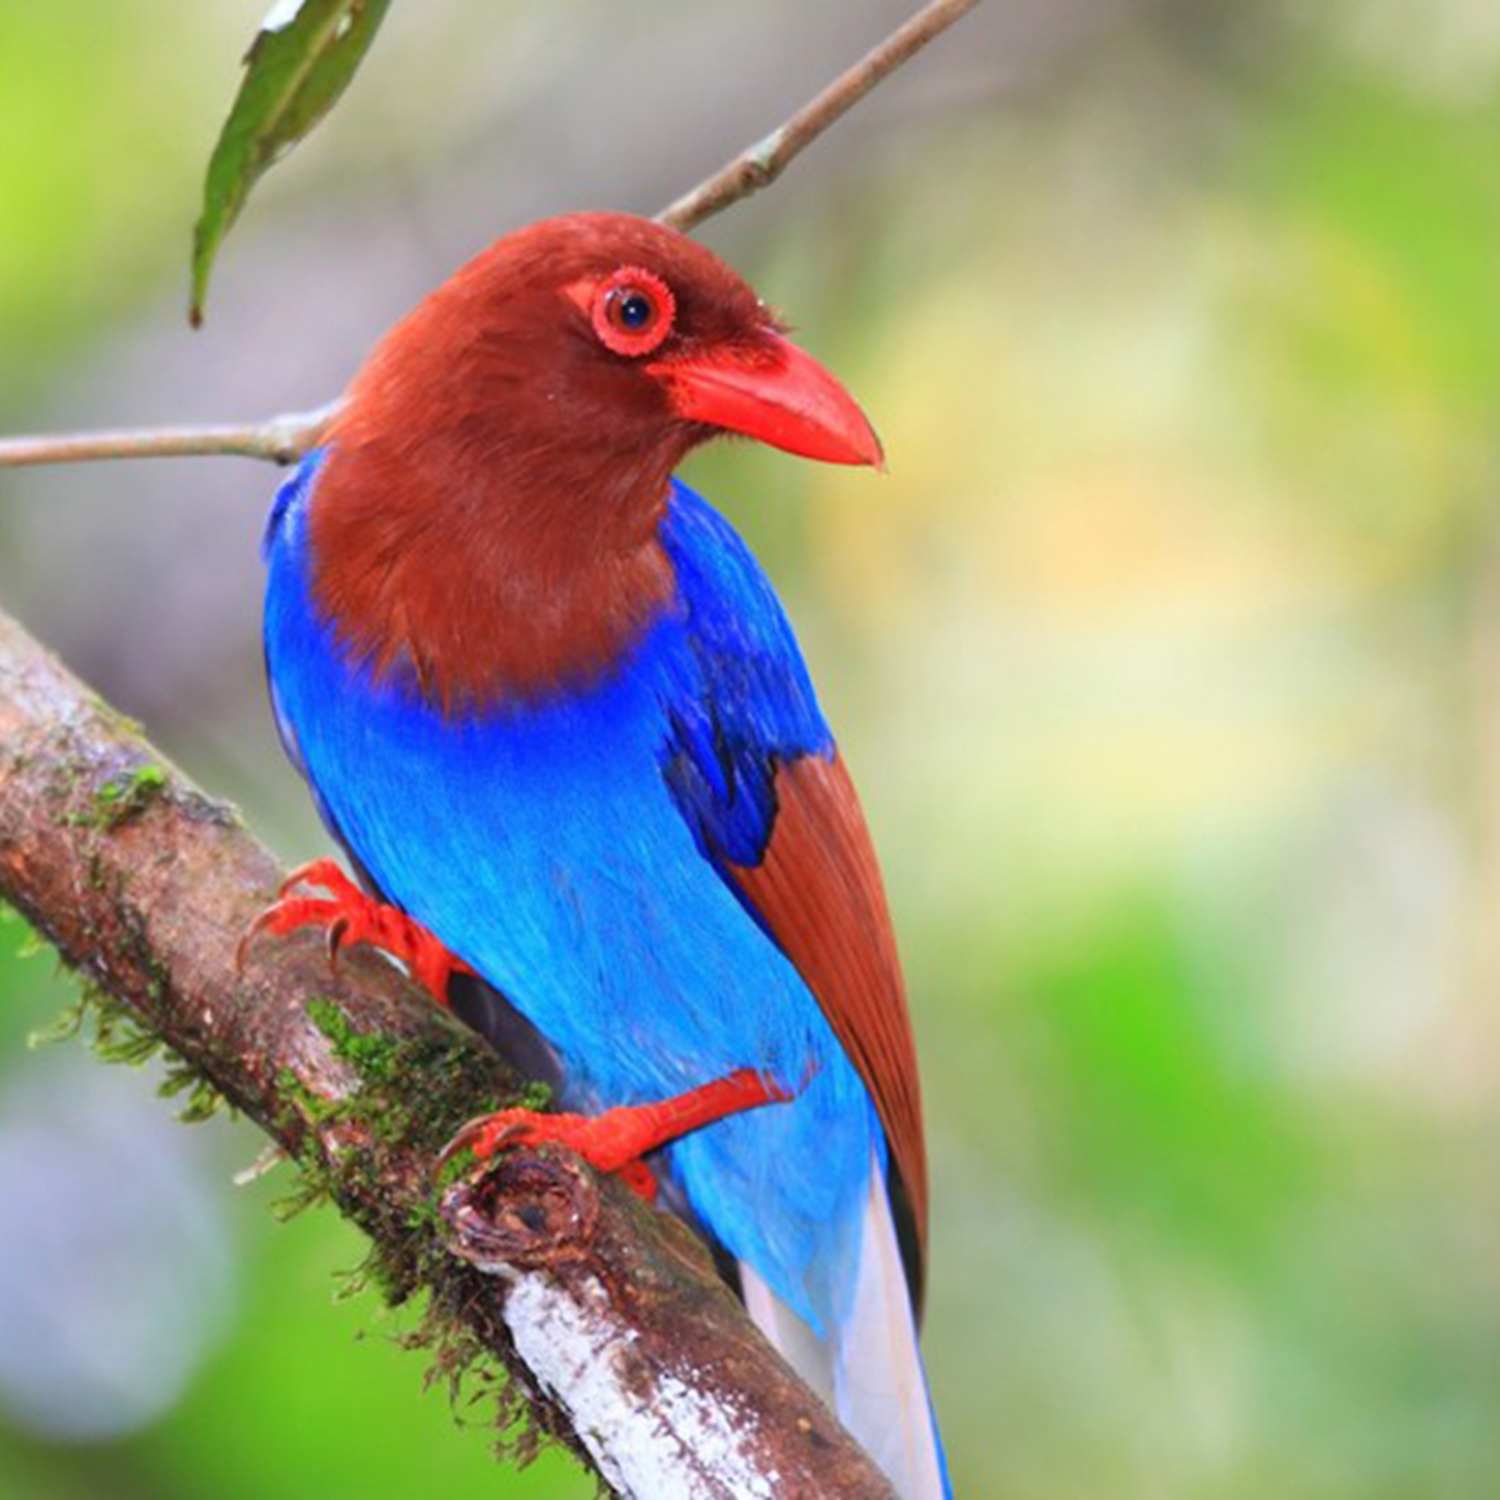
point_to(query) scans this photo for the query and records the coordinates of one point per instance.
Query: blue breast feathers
(572, 852)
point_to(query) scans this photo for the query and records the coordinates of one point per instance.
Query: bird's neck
(486, 569)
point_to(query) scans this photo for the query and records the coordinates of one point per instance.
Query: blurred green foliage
(296, 70)
(92, 114)
(1168, 659)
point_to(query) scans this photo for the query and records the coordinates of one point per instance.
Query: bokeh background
(1167, 656)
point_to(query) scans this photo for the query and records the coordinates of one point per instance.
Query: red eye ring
(633, 311)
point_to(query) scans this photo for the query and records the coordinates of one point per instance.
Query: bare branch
(764, 162)
(629, 1346)
(285, 439)
(282, 439)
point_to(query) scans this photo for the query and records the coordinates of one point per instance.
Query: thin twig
(764, 162)
(287, 438)
(282, 440)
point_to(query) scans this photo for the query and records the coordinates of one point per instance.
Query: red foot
(616, 1140)
(351, 916)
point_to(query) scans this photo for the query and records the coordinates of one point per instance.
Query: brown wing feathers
(819, 892)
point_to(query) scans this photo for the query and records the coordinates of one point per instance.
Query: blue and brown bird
(551, 708)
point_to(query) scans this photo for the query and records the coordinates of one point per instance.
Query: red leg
(616, 1140)
(352, 916)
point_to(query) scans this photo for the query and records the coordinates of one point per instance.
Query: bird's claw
(588, 1136)
(349, 916)
(617, 1140)
(482, 1137)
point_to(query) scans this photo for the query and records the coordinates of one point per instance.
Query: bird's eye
(633, 311)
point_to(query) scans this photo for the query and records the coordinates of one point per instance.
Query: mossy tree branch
(623, 1341)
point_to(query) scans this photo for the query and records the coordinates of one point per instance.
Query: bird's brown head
(511, 439)
(609, 333)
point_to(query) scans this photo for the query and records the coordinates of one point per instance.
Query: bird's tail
(869, 1370)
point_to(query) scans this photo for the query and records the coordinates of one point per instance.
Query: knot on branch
(525, 1211)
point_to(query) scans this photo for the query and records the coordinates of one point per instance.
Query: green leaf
(295, 70)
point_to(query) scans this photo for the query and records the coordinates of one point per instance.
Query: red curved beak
(774, 392)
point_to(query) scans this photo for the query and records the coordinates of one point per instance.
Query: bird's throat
(482, 587)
